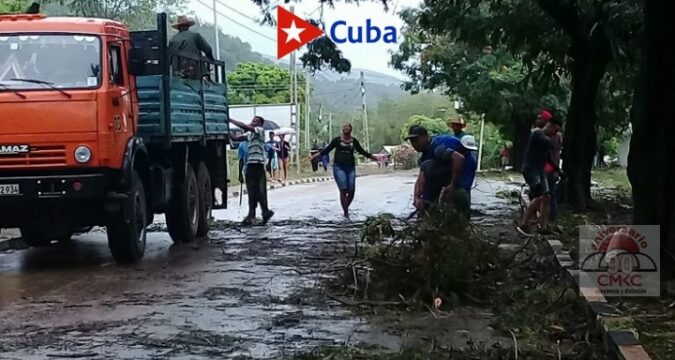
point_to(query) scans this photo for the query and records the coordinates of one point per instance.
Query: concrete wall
(624, 148)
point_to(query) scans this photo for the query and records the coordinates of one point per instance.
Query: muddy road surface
(241, 293)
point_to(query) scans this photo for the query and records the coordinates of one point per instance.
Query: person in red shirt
(505, 154)
(538, 155)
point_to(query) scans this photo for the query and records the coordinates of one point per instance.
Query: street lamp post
(480, 142)
(458, 105)
(215, 30)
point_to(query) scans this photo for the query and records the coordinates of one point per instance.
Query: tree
(255, 83)
(489, 81)
(391, 115)
(560, 42)
(650, 161)
(12, 6)
(137, 14)
(435, 126)
(233, 51)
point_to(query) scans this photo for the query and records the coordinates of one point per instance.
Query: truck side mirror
(135, 64)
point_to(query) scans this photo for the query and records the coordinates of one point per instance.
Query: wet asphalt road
(237, 294)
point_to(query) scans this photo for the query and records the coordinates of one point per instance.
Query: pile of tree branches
(438, 258)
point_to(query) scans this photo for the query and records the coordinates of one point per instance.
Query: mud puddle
(243, 293)
(258, 295)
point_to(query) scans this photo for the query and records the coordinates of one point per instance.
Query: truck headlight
(82, 154)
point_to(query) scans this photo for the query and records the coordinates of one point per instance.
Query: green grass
(305, 170)
(615, 177)
(498, 174)
(349, 353)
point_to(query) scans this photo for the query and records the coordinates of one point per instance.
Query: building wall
(279, 113)
(623, 151)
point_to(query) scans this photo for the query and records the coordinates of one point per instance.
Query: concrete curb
(17, 243)
(11, 244)
(618, 339)
(287, 184)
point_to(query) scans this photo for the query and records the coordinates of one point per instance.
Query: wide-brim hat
(183, 20)
(458, 120)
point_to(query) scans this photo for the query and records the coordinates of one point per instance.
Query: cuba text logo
(341, 32)
(294, 32)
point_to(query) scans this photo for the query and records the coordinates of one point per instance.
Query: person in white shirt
(256, 180)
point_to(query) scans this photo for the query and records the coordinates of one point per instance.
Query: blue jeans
(345, 177)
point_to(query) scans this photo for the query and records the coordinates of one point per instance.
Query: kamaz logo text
(13, 149)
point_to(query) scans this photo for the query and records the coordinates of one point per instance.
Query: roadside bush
(405, 157)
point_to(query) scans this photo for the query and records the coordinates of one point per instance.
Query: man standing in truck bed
(189, 43)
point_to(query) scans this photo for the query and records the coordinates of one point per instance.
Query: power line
(237, 22)
(239, 12)
(385, 77)
(315, 10)
(285, 88)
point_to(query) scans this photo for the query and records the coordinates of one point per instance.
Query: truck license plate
(9, 189)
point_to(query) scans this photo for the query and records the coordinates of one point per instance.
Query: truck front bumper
(72, 186)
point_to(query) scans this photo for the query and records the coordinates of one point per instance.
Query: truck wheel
(127, 230)
(205, 199)
(182, 217)
(35, 237)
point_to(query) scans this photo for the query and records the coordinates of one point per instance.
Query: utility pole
(480, 146)
(365, 112)
(321, 115)
(330, 126)
(295, 124)
(307, 110)
(295, 118)
(216, 30)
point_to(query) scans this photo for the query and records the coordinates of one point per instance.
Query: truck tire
(35, 237)
(205, 199)
(127, 230)
(182, 217)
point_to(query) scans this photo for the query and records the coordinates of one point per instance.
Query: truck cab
(96, 131)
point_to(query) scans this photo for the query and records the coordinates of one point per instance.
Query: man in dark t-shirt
(441, 169)
(537, 155)
(191, 43)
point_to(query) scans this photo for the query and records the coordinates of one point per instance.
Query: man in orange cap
(189, 43)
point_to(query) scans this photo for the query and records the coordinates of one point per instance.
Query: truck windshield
(62, 61)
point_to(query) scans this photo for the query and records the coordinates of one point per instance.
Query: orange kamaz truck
(96, 130)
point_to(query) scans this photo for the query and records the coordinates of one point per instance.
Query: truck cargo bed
(186, 113)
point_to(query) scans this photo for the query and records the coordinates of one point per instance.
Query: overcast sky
(368, 56)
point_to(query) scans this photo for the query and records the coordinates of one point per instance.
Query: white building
(624, 148)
